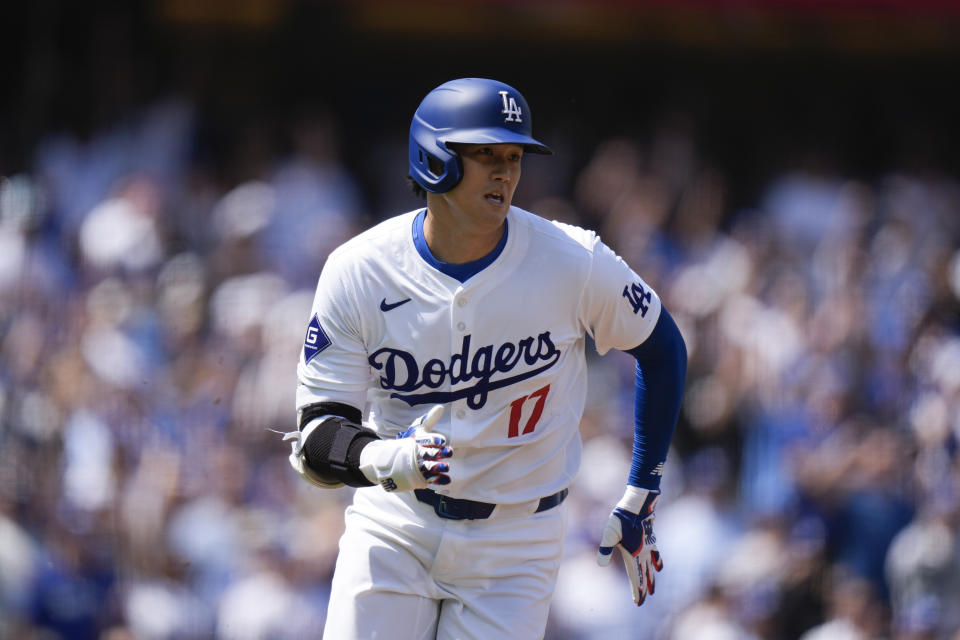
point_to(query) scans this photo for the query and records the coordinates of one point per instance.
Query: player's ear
(435, 166)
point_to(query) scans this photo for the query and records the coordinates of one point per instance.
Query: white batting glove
(297, 457)
(412, 461)
(630, 530)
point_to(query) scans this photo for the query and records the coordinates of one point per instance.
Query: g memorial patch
(316, 340)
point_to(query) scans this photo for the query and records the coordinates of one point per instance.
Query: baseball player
(443, 374)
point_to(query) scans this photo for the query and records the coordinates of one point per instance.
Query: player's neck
(456, 241)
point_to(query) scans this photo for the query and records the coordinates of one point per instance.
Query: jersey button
(461, 413)
(461, 326)
(462, 302)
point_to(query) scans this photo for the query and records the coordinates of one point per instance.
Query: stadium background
(784, 174)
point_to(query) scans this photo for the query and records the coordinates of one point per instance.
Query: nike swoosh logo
(387, 307)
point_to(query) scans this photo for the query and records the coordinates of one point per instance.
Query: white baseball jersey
(503, 351)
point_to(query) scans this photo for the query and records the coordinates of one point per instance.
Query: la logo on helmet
(510, 108)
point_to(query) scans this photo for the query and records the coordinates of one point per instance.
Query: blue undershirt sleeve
(658, 392)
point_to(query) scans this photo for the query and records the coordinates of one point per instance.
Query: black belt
(460, 509)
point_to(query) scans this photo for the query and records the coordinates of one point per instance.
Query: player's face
(490, 176)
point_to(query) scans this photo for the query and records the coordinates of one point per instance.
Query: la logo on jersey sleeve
(316, 340)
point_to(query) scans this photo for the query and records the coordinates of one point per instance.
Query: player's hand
(414, 460)
(630, 530)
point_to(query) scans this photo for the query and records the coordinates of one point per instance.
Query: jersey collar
(459, 272)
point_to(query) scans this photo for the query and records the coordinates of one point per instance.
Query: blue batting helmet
(471, 110)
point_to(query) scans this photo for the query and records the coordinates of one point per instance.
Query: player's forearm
(332, 449)
(658, 392)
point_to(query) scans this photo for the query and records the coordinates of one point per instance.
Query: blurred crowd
(152, 310)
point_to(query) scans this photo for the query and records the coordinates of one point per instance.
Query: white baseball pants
(404, 573)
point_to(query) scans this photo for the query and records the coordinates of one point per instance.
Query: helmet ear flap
(436, 168)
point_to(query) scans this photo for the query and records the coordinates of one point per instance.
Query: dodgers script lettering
(403, 374)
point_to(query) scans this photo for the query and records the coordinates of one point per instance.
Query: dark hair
(418, 191)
